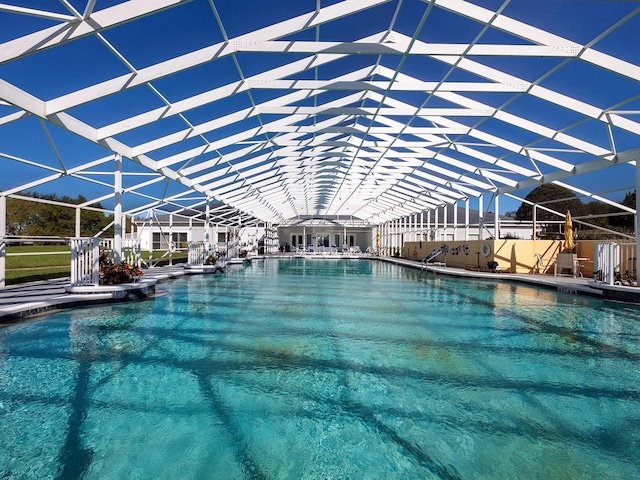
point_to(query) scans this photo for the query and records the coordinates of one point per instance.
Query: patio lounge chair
(566, 262)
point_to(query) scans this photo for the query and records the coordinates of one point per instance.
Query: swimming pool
(308, 369)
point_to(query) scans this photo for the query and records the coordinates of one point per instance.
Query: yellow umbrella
(568, 233)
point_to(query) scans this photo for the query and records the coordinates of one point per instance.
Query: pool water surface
(320, 369)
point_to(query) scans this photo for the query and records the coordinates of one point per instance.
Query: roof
(282, 109)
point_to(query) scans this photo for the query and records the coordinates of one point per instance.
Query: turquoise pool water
(308, 369)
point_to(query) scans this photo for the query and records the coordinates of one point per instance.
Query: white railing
(615, 263)
(106, 243)
(197, 253)
(132, 252)
(85, 261)
(232, 248)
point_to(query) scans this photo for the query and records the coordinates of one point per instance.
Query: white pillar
(170, 245)
(480, 217)
(151, 239)
(3, 240)
(466, 219)
(445, 220)
(78, 217)
(496, 224)
(207, 227)
(344, 235)
(637, 222)
(534, 215)
(455, 221)
(117, 210)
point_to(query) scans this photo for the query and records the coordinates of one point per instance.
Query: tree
(625, 222)
(566, 200)
(29, 218)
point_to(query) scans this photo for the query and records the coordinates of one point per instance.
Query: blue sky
(192, 26)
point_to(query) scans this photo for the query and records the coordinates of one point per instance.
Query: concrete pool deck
(577, 285)
(33, 298)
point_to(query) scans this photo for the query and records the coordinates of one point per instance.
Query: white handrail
(85, 261)
(196, 253)
(615, 263)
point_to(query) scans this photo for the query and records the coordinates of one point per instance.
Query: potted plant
(112, 273)
(212, 259)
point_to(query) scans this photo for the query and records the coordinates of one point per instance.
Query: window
(160, 241)
(180, 240)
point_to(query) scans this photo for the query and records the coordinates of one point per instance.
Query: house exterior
(165, 233)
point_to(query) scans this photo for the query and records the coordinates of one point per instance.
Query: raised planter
(122, 292)
(618, 293)
(217, 268)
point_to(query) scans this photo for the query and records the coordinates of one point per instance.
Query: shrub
(112, 273)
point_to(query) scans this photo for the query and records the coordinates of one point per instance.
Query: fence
(196, 254)
(132, 252)
(615, 263)
(85, 261)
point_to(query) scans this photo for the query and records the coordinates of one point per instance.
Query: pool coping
(22, 301)
(564, 284)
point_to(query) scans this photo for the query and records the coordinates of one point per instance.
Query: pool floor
(312, 369)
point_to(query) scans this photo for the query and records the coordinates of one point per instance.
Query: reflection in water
(324, 369)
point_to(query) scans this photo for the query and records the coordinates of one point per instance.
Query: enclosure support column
(171, 243)
(344, 236)
(207, 227)
(496, 226)
(78, 216)
(396, 231)
(466, 219)
(117, 210)
(3, 240)
(480, 218)
(412, 227)
(216, 233)
(533, 216)
(387, 235)
(415, 226)
(637, 222)
(445, 222)
(455, 221)
(151, 242)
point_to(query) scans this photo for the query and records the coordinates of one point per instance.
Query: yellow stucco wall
(515, 255)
